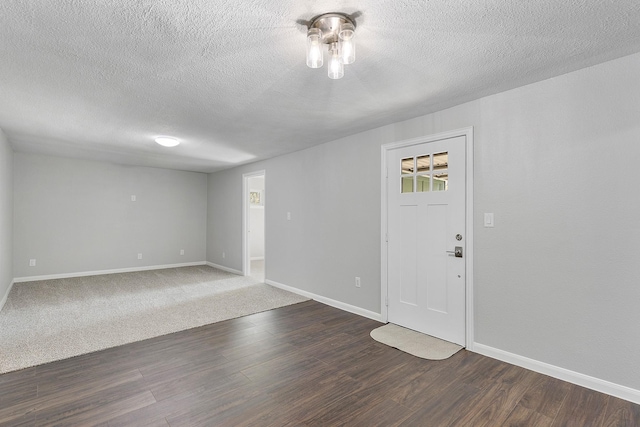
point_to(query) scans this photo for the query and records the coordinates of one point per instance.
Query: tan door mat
(415, 343)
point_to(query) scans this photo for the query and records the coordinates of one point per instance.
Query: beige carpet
(55, 319)
(412, 342)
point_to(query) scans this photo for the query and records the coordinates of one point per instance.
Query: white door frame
(468, 134)
(246, 262)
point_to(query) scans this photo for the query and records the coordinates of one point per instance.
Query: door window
(428, 172)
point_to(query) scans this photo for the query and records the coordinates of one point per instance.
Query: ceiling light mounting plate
(329, 24)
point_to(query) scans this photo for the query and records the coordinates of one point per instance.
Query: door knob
(457, 252)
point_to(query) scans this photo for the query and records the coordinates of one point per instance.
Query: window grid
(425, 173)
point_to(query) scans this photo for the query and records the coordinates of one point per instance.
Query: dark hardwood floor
(306, 364)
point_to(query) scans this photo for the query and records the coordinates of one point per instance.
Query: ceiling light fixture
(167, 141)
(336, 30)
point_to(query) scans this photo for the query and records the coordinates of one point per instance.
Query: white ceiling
(100, 79)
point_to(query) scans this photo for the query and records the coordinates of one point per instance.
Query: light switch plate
(488, 220)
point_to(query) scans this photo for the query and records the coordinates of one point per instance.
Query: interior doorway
(254, 208)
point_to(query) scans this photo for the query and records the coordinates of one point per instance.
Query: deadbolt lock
(458, 237)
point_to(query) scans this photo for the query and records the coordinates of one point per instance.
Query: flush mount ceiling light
(167, 141)
(336, 30)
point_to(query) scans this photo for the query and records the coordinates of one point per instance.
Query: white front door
(426, 227)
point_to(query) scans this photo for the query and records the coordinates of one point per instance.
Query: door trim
(246, 262)
(385, 149)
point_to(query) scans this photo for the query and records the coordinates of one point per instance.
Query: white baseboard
(256, 258)
(328, 301)
(223, 268)
(6, 295)
(592, 383)
(99, 272)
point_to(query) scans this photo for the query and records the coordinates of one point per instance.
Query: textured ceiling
(100, 79)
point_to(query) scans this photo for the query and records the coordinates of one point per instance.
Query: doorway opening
(254, 208)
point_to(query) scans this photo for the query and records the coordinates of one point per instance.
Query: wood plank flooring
(302, 365)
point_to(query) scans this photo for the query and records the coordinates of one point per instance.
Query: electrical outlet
(133, 198)
(358, 284)
(288, 216)
(224, 255)
(139, 256)
(181, 251)
(32, 262)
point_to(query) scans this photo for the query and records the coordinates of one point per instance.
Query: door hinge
(386, 237)
(386, 301)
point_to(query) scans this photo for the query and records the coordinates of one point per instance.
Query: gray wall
(6, 215)
(334, 228)
(224, 221)
(556, 280)
(75, 216)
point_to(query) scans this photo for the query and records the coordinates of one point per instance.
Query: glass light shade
(314, 48)
(347, 43)
(336, 67)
